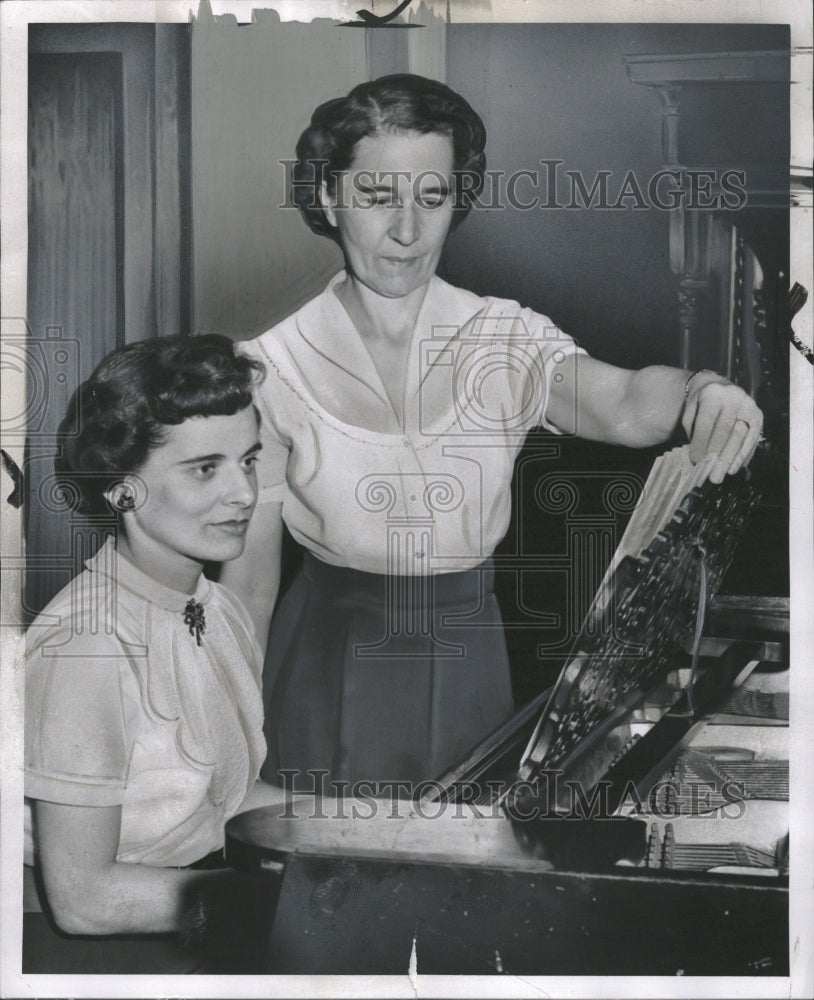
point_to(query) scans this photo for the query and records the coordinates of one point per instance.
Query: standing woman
(393, 411)
(143, 729)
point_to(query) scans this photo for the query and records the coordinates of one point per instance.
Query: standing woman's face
(393, 209)
(196, 492)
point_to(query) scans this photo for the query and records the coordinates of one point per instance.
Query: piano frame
(364, 908)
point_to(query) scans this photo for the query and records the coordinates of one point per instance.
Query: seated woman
(143, 730)
(394, 409)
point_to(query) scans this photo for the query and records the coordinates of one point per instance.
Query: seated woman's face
(197, 489)
(393, 209)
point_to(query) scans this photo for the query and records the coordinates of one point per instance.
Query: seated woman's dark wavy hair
(135, 393)
(403, 102)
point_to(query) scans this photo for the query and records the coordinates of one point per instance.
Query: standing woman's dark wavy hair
(400, 103)
(133, 395)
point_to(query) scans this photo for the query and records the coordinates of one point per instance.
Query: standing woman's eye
(367, 193)
(387, 199)
(250, 463)
(433, 197)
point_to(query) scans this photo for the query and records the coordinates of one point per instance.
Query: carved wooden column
(692, 228)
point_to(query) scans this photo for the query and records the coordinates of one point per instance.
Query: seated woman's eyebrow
(218, 455)
(201, 458)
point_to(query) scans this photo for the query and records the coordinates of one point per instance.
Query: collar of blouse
(340, 371)
(111, 564)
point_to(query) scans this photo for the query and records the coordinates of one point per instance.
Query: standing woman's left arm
(640, 408)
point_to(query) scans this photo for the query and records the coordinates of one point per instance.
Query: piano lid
(651, 603)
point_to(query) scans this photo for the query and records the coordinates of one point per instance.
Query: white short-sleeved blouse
(431, 494)
(124, 708)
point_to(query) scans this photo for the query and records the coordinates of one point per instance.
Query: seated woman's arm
(89, 892)
(255, 576)
(263, 794)
(641, 408)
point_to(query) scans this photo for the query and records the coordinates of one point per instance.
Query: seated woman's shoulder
(227, 601)
(84, 618)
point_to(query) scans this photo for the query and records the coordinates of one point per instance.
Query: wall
(107, 252)
(560, 91)
(253, 89)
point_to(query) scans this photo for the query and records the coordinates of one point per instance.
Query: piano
(631, 820)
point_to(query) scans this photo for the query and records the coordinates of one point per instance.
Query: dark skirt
(378, 679)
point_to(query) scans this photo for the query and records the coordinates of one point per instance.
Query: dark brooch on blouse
(194, 617)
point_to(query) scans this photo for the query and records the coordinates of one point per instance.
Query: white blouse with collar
(432, 494)
(124, 707)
